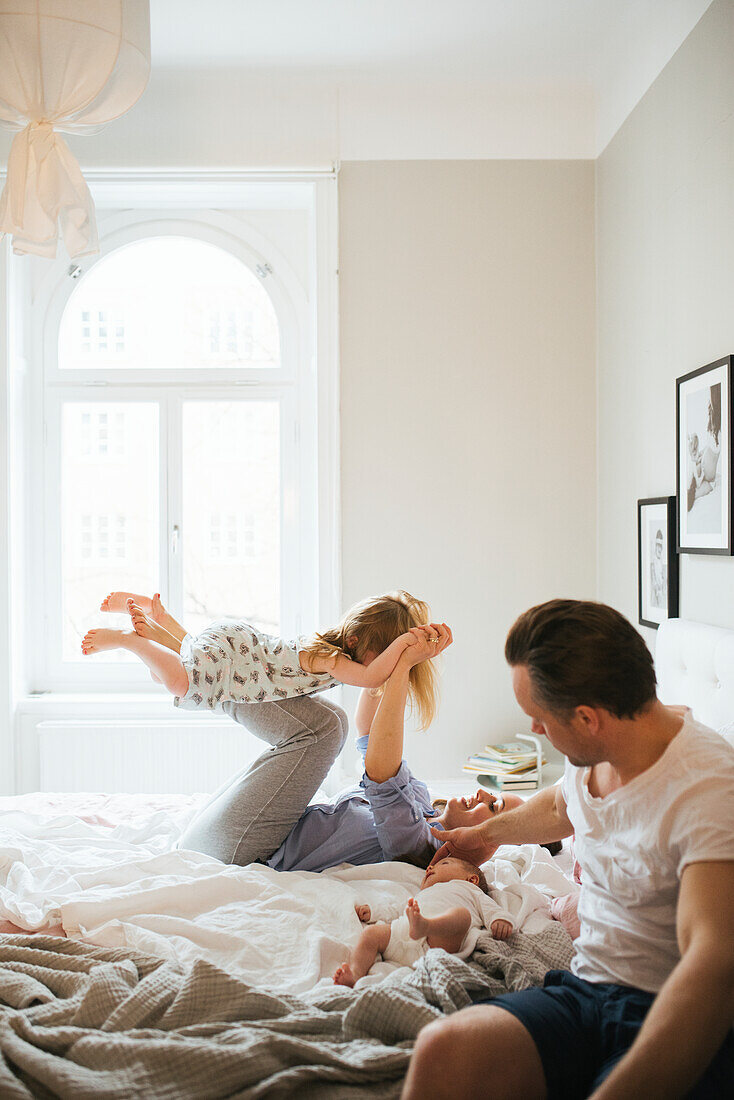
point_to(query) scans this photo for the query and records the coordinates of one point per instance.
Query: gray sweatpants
(252, 813)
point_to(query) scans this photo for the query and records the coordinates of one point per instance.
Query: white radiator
(142, 756)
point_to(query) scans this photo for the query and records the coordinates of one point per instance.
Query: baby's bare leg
(152, 606)
(163, 663)
(447, 931)
(372, 942)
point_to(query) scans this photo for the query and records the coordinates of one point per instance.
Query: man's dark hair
(580, 653)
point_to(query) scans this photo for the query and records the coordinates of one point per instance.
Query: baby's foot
(343, 975)
(95, 641)
(417, 923)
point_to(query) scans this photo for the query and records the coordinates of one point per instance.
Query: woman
(263, 814)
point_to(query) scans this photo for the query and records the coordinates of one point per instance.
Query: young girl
(232, 661)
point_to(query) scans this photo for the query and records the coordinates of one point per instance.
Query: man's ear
(590, 716)
(474, 879)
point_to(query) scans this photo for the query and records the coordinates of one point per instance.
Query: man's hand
(470, 844)
(364, 913)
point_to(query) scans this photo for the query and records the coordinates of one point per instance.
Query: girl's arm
(369, 676)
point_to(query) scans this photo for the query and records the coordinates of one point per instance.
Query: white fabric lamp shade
(72, 66)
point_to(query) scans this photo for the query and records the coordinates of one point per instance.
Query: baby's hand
(501, 929)
(364, 913)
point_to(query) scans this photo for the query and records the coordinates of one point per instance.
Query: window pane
(231, 523)
(109, 512)
(169, 303)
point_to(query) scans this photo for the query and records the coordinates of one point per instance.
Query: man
(649, 795)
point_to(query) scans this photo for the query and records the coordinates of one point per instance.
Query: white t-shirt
(633, 845)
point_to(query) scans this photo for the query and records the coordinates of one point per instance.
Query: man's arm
(540, 820)
(694, 1010)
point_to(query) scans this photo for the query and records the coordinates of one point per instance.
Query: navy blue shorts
(582, 1029)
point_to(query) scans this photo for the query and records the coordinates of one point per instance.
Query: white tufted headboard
(695, 665)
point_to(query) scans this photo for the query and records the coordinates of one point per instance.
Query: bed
(131, 968)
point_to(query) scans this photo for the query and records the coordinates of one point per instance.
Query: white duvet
(127, 886)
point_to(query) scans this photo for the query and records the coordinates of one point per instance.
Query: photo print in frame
(704, 459)
(657, 561)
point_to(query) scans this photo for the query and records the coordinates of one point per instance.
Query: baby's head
(369, 627)
(452, 869)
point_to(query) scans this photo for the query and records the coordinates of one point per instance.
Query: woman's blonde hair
(375, 623)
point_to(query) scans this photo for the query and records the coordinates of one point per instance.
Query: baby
(454, 906)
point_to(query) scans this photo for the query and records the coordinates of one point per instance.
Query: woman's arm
(385, 748)
(369, 701)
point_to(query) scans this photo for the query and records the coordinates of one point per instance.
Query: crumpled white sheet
(127, 886)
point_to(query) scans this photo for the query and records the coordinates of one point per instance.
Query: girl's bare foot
(152, 607)
(343, 976)
(95, 641)
(117, 602)
(416, 921)
(145, 627)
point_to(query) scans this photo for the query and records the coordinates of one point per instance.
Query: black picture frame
(670, 579)
(704, 467)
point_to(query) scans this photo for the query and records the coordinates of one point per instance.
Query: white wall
(468, 394)
(665, 248)
(468, 409)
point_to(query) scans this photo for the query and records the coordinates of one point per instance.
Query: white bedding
(126, 885)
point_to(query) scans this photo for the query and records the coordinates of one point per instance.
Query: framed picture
(657, 561)
(704, 459)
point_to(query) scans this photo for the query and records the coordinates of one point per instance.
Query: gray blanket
(87, 1022)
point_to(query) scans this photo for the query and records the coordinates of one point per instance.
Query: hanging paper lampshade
(71, 66)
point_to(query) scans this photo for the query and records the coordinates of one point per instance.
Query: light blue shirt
(368, 823)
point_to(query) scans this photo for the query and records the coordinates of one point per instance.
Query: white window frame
(305, 384)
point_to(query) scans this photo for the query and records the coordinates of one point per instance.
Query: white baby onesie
(434, 901)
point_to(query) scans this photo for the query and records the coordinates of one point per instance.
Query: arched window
(176, 376)
(169, 303)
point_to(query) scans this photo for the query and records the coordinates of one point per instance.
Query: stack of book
(512, 766)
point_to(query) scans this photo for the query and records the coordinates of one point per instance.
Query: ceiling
(595, 58)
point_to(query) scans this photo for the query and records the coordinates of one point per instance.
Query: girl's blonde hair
(375, 623)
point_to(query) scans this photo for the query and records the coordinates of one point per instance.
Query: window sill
(83, 704)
